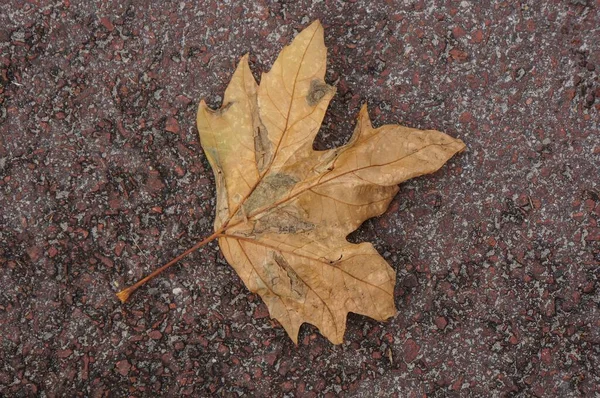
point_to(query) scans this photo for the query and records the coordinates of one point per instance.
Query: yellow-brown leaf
(284, 210)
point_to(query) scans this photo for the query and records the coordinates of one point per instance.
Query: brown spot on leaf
(270, 189)
(290, 278)
(221, 110)
(287, 220)
(262, 147)
(317, 91)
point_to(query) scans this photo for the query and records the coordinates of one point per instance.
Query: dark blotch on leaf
(317, 91)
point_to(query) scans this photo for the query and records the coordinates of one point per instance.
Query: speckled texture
(102, 179)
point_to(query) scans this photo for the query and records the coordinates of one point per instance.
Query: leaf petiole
(124, 294)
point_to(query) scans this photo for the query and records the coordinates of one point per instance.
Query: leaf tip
(245, 59)
(314, 26)
(457, 145)
(392, 313)
(363, 116)
(363, 124)
(202, 108)
(294, 339)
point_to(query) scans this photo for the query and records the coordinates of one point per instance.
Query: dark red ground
(102, 179)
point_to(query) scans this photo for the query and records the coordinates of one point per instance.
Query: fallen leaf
(284, 210)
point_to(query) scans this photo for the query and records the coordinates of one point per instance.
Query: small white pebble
(177, 290)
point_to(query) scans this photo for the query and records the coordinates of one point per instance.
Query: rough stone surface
(102, 179)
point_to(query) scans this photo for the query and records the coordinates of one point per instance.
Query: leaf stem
(124, 294)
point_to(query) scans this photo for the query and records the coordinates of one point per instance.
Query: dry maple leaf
(284, 210)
